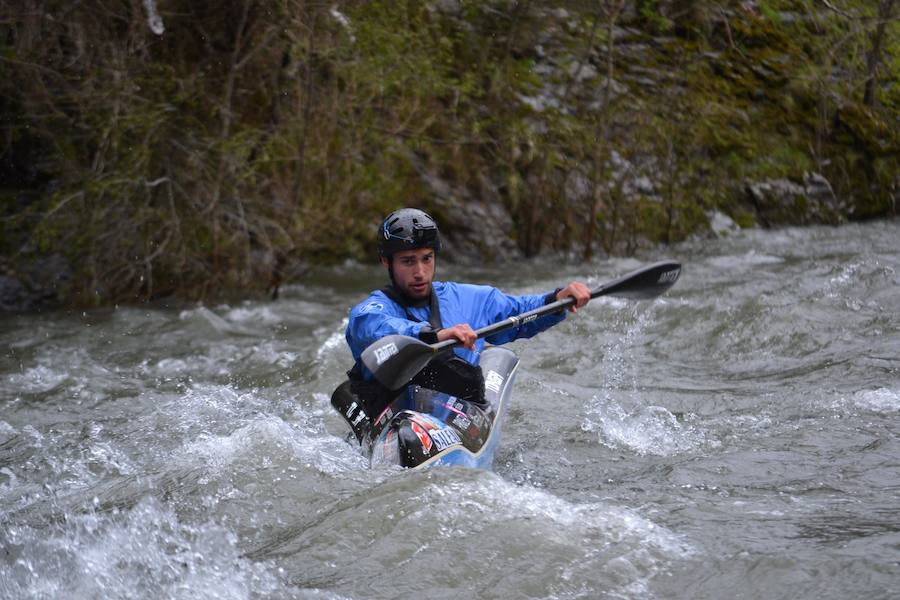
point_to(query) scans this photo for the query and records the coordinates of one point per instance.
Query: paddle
(395, 359)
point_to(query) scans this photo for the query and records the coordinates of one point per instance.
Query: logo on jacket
(372, 306)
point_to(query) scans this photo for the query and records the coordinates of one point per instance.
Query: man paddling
(415, 305)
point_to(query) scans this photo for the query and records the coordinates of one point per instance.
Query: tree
(875, 54)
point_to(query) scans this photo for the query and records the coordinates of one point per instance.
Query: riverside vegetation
(180, 148)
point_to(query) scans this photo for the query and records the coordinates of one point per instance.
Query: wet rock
(475, 226)
(13, 295)
(582, 71)
(475, 230)
(786, 202)
(16, 296)
(483, 232)
(35, 285)
(451, 8)
(721, 225)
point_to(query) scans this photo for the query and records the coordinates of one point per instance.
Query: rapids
(737, 438)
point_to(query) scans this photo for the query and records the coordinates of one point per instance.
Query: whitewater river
(737, 438)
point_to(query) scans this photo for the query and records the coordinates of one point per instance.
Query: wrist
(429, 335)
(551, 297)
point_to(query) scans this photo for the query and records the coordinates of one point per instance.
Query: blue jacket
(477, 305)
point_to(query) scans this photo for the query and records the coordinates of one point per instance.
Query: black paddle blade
(395, 359)
(643, 284)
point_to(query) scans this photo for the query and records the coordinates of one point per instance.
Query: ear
(385, 262)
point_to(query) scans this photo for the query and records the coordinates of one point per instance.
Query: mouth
(418, 288)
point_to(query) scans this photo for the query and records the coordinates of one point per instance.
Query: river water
(737, 438)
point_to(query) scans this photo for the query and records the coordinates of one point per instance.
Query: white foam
(219, 324)
(748, 259)
(647, 430)
(334, 341)
(220, 360)
(275, 439)
(257, 315)
(882, 400)
(847, 275)
(214, 408)
(267, 354)
(618, 545)
(332, 355)
(171, 366)
(36, 380)
(55, 463)
(142, 553)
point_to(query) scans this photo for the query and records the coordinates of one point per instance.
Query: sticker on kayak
(444, 438)
(462, 421)
(385, 352)
(493, 381)
(424, 439)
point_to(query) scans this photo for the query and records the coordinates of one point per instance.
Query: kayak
(424, 428)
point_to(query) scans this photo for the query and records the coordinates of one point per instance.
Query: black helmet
(407, 229)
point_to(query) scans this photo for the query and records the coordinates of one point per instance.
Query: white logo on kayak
(385, 352)
(462, 421)
(493, 381)
(359, 416)
(669, 276)
(444, 438)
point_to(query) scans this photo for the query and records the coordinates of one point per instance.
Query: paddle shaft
(515, 321)
(648, 282)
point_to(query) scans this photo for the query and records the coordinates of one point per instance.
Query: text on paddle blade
(385, 352)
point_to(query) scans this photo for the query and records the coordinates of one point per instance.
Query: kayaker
(415, 305)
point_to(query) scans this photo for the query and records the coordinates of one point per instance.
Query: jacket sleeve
(375, 318)
(499, 306)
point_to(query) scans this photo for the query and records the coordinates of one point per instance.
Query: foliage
(224, 143)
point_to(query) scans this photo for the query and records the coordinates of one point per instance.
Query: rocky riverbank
(176, 150)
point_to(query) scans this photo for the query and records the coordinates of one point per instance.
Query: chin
(417, 295)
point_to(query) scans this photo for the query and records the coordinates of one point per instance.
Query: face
(413, 271)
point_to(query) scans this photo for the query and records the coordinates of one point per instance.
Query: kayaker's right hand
(463, 332)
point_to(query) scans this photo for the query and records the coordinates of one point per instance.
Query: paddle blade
(643, 284)
(395, 359)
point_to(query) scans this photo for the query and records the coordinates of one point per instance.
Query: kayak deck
(424, 428)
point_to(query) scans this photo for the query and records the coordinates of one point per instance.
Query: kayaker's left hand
(462, 332)
(577, 290)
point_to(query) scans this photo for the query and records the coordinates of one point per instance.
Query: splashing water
(737, 434)
(142, 552)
